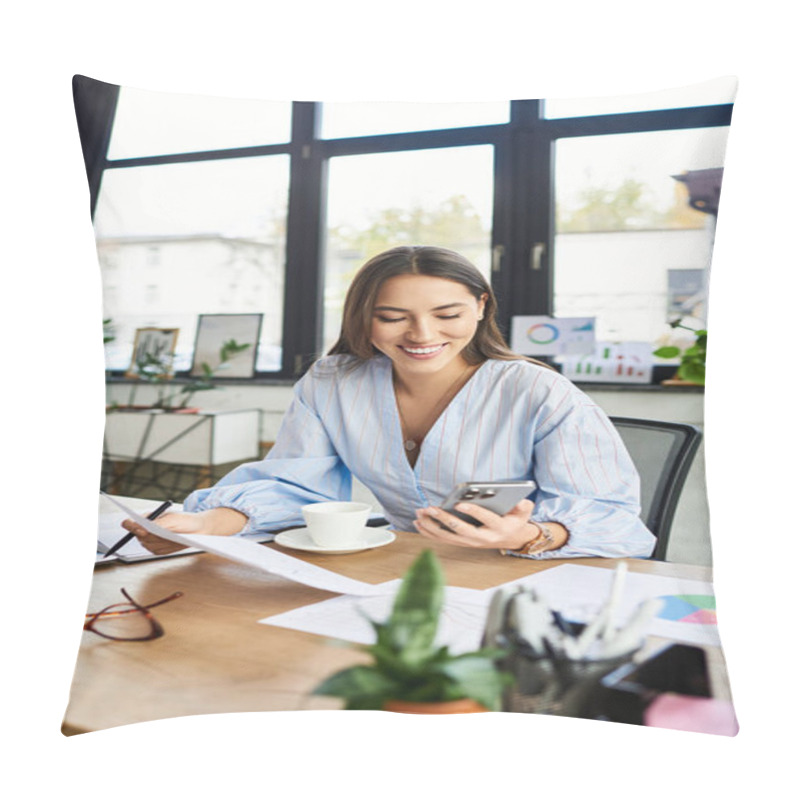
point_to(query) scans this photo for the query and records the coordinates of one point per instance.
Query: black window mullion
(303, 296)
(531, 218)
(197, 156)
(640, 121)
(538, 264)
(414, 140)
(502, 213)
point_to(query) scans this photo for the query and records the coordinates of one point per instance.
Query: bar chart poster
(552, 336)
(611, 362)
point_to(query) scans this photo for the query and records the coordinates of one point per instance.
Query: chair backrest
(662, 453)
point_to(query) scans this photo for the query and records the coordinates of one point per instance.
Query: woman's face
(423, 324)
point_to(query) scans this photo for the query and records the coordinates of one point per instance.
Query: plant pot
(464, 706)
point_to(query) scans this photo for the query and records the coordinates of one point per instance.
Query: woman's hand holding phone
(510, 531)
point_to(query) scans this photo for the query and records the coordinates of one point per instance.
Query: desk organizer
(616, 690)
(625, 692)
(568, 689)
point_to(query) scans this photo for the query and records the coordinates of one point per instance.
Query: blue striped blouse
(512, 420)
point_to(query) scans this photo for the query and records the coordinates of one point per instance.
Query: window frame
(524, 195)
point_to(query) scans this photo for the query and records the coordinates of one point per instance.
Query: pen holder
(629, 689)
(562, 687)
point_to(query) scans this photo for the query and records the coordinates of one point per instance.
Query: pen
(631, 635)
(125, 539)
(601, 626)
(614, 599)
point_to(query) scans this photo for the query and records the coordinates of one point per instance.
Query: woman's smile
(423, 352)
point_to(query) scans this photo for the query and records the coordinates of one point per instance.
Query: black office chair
(662, 453)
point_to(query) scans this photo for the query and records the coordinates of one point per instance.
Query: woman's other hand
(213, 522)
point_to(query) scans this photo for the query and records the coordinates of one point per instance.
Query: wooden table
(216, 658)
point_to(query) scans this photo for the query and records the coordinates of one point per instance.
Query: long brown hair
(436, 262)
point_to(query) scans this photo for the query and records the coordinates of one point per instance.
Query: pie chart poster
(551, 336)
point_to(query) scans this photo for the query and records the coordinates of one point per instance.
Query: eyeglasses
(127, 622)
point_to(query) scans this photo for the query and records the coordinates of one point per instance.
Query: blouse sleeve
(586, 480)
(302, 467)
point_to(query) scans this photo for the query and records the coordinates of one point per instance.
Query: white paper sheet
(577, 591)
(110, 531)
(248, 552)
(460, 626)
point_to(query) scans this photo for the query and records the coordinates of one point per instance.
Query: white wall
(689, 541)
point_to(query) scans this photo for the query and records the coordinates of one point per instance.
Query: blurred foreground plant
(407, 665)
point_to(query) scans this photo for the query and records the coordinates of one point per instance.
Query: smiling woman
(421, 393)
(424, 338)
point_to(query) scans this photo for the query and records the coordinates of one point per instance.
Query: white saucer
(300, 539)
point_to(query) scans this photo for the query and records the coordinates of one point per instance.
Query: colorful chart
(543, 333)
(698, 608)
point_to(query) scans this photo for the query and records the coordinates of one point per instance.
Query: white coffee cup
(336, 525)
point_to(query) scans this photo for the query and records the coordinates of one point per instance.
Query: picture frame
(160, 343)
(213, 330)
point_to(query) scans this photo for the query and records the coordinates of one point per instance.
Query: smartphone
(497, 496)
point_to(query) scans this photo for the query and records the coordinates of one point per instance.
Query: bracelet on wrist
(543, 541)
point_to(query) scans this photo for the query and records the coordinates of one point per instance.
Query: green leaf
(693, 371)
(478, 677)
(362, 684)
(422, 588)
(667, 352)
(230, 348)
(414, 619)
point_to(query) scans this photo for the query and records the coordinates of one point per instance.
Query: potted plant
(409, 672)
(692, 368)
(154, 370)
(206, 382)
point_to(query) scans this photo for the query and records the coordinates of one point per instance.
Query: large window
(214, 205)
(205, 237)
(624, 222)
(381, 200)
